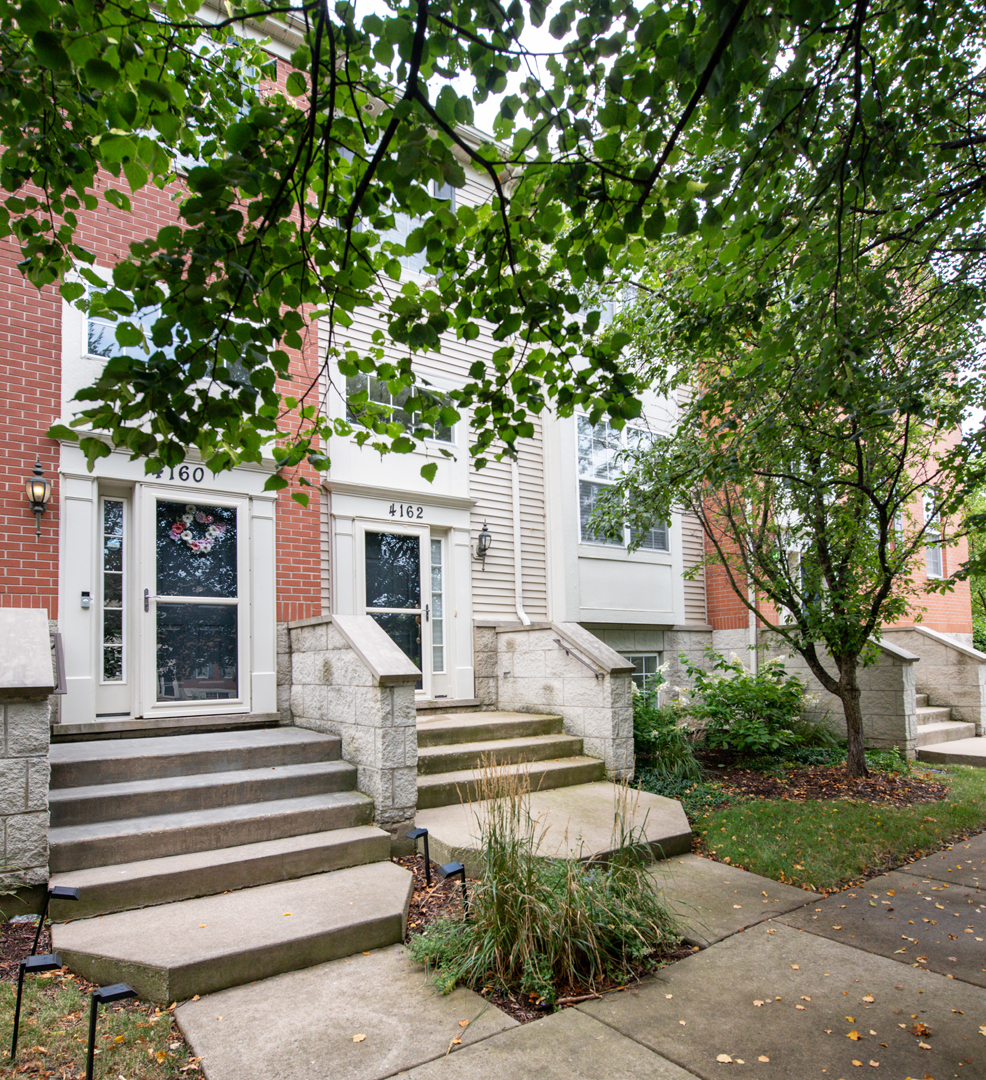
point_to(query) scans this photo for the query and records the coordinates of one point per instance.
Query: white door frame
(145, 611)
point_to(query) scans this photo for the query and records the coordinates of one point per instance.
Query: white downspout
(518, 568)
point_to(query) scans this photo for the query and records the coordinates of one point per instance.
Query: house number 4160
(184, 473)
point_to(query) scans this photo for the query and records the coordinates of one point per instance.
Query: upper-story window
(933, 537)
(600, 465)
(378, 393)
(102, 339)
(405, 224)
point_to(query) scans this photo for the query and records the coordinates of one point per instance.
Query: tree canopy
(740, 124)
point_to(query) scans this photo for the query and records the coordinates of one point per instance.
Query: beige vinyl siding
(325, 530)
(532, 519)
(494, 589)
(692, 554)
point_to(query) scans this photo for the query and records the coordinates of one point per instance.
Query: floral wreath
(199, 545)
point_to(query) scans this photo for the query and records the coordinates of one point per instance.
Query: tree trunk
(849, 692)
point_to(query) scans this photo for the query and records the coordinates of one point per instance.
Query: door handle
(148, 598)
(427, 612)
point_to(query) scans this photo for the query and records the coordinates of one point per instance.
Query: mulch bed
(823, 782)
(445, 898)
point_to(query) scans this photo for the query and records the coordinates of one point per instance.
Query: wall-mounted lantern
(38, 493)
(483, 544)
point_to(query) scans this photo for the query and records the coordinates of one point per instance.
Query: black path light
(33, 964)
(103, 996)
(58, 892)
(413, 835)
(456, 869)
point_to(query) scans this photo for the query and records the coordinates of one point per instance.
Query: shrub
(744, 711)
(536, 923)
(661, 744)
(979, 632)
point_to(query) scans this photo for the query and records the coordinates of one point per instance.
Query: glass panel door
(194, 617)
(394, 591)
(114, 689)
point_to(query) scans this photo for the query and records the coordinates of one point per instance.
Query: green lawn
(137, 1043)
(826, 846)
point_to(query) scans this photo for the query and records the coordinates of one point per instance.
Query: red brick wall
(30, 361)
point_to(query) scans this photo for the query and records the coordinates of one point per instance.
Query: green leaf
(49, 51)
(428, 471)
(101, 73)
(296, 84)
(301, 498)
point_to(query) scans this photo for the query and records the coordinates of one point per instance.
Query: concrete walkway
(886, 979)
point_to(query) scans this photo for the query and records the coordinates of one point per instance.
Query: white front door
(191, 600)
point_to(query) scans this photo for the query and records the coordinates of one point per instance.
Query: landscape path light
(413, 835)
(103, 996)
(46, 962)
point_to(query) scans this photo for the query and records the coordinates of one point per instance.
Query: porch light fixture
(48, 962)
(38, 493)
(483, 543)
(103, 996)
(414, 834)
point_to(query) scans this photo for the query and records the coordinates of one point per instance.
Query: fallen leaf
(851, 1019)
(737, 906)
(160, 1056)
(286, 914)
(868, 997)
(795, 967)
(682, 1022)
(724, 1058)
(202, 926)
(800, 1007)
(924, 1046)
(920, 1029)
(118, 1039)
(959, 1011)
(463, 1023)
(763, 1057)
(456, 1042)
(669, 996)
(358, 1038)
(804, 997)
(759, 1003)
(196, 998)
(854, 1035)
(856, 1063)
(875, 1064)
(836, 927)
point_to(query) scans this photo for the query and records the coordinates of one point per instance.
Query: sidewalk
(886, 979)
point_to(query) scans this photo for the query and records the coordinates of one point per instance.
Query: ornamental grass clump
(537, 924)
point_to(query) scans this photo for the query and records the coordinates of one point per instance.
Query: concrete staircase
(209, 860)
(453, 746)
(935, 724)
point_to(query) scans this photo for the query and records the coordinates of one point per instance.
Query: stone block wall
(348, 678)
(951, 672)
(887, 700)
(533, 673)
(24, 775)
(26, 681)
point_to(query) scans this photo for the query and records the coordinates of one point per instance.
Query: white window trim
(603, 547)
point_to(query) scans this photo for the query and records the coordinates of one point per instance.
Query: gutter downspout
(518, 567)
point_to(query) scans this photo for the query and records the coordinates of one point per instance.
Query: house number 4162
(405, 510)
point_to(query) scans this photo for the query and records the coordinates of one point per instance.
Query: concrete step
(439, 759)
(921, 701)
(444, 730)
(933, 714)
(100, 843)
(447, 789)
(174, 951)
(962, 752)
(197, 791)
(124, 886)
(571, 822)
(434, 706)
(944, 731)
(83, 764)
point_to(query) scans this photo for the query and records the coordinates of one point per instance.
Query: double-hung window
(405, 224)
(377, 393)
(933, 537)
(599, 466)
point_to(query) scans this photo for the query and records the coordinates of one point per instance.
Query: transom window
(405, 224)
(599, 450)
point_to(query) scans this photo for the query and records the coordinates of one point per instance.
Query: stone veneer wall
(349, 679)
(524, 669)
(887, 702)
(26, 680)
(952, 673)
